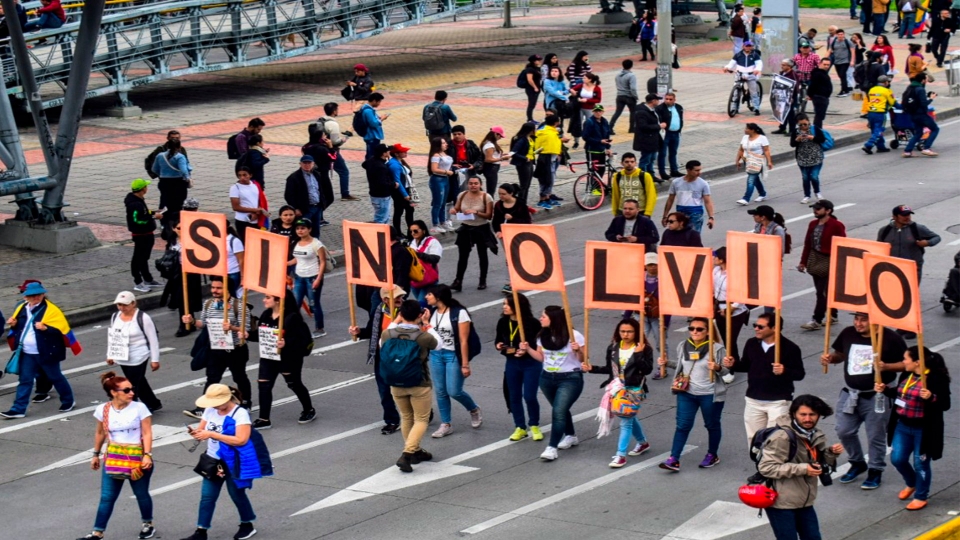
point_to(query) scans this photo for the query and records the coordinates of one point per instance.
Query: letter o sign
(906, 296)
(542, 254)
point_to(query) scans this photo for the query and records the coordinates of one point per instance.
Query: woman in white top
(245, 202)
(740, 312)
(134, 331)
(753, 152)
(310, 258)
(475, 207)
(562, 378)
(122, 421)
(429, 251)
(441, 169)
(492, 156)
(234, 261)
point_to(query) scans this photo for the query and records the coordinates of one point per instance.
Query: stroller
(903, 129)
(951, 291)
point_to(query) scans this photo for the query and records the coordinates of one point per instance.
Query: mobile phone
(189, 429)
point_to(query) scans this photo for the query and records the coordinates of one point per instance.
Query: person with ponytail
(916, 423)
(754, 151)
(511, 209)
(124, 424)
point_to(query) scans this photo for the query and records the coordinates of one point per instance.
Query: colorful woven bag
(122, 461)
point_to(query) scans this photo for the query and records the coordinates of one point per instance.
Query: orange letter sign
(847, 289)
(893, 295)
(614, 276)
(367, 250)
(754, 268)
(265, 262)
(204, 243)
(533, 257)
(686, 281)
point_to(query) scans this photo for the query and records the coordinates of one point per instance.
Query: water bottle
(880, 403)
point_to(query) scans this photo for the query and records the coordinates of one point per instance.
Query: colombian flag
(53, 317)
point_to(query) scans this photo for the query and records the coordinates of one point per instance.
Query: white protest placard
(118, 344)
(219, 340)
(268, 343)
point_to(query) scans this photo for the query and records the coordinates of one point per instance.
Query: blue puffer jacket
(242, 461)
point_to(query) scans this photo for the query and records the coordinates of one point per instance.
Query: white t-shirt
(625, 356)
(443, 161)
(215, 424)
(249, 196)
(124, 426)
(755, 146)
(689, 194)
(490, 145)
(564, 360)
(433, 246)
(234, 246)
(308, 262)
(440, 321)
(143, 345)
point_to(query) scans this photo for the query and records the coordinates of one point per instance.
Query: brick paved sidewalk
(472, 58)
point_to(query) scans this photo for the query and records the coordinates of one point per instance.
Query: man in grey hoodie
(907, 238)
(626, 94)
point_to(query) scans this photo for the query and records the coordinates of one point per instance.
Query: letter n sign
(367, 250)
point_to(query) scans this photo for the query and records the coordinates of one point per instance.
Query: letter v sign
(688, 291)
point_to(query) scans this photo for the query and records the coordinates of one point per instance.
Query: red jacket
(833, 227)
(592, 102)
(54, 8)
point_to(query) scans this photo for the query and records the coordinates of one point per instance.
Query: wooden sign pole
(923, 361)
(776, 337)
(586, 335)
(186, 300)
(516, 311)
(877, 355)
(566, 311)
(710, 339)
(663, 349)
(826, 337)
(353, 308)
(243, 317)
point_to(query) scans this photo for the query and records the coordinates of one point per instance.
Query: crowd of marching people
(421, 319)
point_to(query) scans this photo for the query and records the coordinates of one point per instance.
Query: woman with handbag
(224, 423)
(698, 384)
(474, 208)
(521, 371)
(429, 251)
(509, 209)
(175, 173)
(753, 152)
(629, 359)
(125, 425)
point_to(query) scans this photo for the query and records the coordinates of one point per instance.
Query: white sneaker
(142, 287)
(805, 200)
(437, 230)
(549, 454)
(449, 226)
(760, 198)
(812, 325)
(567, 441)
(728, 378)
(476, 418)
(819, 196)
(743, 202)
(445, 429)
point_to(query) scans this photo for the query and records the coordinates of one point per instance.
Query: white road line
(945, 345)
(955, 242)
(808, 216)
(572, 492)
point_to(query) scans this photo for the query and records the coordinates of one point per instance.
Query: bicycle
(590, 189)
(740, 93)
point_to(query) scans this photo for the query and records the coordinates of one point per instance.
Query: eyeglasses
(697, 328)
(126, 390)
(760, 327)
(415, 231)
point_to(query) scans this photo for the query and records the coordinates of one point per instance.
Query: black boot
(456, 286)
(420, 455)
(405, 461)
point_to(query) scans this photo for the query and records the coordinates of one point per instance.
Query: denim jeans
(877, 120)
(523, 378)
(30, 367)
(110, 491)
(920, 122)
(562, 391)
(647, 159)
(438, 198)
(696, 220)
(314, 213)
(302, 286)
(629, 427)
(791, 524)
(853, 8)
(448, 382)
(754, 179)
(210, 491)
(381, 209)
(46, 20)
(687, 406)
(878, 23)
(906, 443)
(340, 166)
(233, 283)
(390, 413)
(906, 24)
(670, 146)
(811, 178)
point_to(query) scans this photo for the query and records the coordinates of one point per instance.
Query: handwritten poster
(118, 344)
(219, 340)
(268, 343)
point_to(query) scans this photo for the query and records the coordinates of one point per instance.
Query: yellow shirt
(548, 141)
(879, 99)
(632, 186)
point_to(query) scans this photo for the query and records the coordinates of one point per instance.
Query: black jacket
(762, 384)
(687, 237)
(139, 217)
(634, 373)
(402, 259)
(820, 85)
(474, 157)
(296, 195)
(647, 136)
(667, 116)
(531, 328)
(379, 179)
(931, 441)
(50, 343)
(296, 333)
(643, 228)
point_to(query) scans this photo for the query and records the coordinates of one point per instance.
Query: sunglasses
(760, 327)
(671, 221)
(697, 328)
(126, 390)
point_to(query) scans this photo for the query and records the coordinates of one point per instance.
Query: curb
(946, 531)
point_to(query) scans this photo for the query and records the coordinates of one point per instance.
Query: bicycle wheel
(588, 192)
(733, 104)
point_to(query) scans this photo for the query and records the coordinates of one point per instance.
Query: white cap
(650, 258)
(125, 298)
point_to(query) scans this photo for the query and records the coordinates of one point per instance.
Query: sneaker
(882, 150)
(805, 200)
(554, 204)
(199, 534)
(12, 414)
(756, 112)
(321, 223)
(916, 504)
(519, 434)
(448, 225)
(245, 531)
(40, 398)
(555, 198)
(618, 461)
(194, 413)
(318, 333)
(67, 408)
(709, 460)
(476, 418)
(349, 198)
(671, 464)
(389, 429)
(261, 424)
(549, 454)
(676, 174)
(656, 375)
(307, 416)
(153, 284)
(743, 202)
(728, 378)
(867, 150)
(443, 431)
(812, 325)
(535, 433)
(141, 287)
(874, 478)
(506, 289)
(94, 536)
(833, 320)
(639, 449)
(437, 230)
(856, 469)
(612, 132)
(906, 493)
(760, 198)
(930, 153)
(907, 154)
(544, 205)
(567, 441)
(843, 94)
(155, 409)
(420, 455)
(819, 196)
(147, 531)
(405, 462)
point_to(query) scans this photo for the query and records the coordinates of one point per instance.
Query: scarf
(52, 317)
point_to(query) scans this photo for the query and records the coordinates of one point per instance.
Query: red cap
(362, 68)
(399, 148)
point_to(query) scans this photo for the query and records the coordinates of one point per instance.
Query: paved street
(335, 478)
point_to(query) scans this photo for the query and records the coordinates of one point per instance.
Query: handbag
(681, 382)
(122, 461)
(13, 365)
(818, 264)
(754, 163)
(210, 468)
(430, 273)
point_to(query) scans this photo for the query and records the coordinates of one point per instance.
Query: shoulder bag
(13, 365)
(818, 264)
(681, 382)
(122, 461)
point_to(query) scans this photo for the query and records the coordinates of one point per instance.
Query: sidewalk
(474, 59)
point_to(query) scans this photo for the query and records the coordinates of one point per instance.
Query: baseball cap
(498, 130)
(396, 290)
(763, 211)
(650, 258)
(822, 204)
(303, 222)
(804, 43)
(902, 210)
(125, 298)
(534, 58)
(139, 184)
(598, 107)
(306, 158)
(215, 396)
(399, 148)
(361, 67)
(748, 43)
(883, 79)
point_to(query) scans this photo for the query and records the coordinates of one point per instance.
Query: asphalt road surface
(335, 478)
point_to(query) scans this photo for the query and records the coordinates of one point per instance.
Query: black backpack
(433, 117)
(910, 101)
(759, 440)
(233, 151)
(474, 345)
(522, 79)
(139, 323)
(359, 124)
(317, 127)
(167, 265)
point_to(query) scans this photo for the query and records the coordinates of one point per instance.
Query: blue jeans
(879, 20)
(629, 427)
(372, 145)
(210, 492)
(448, 382)
(562, 390)
(438, 198)
(302, 286)
(687, 406)
(46, 20)
(753, 179)
(794, 523)
(340, 166)
(381, 209)
(811, 178)
(523, 377)
(233, 282)
(853, 8)
(110, 491)
(30, 368)
(906, 443)
(906, 24)
(670, 146)
(920, 122)
(696, 220)
(877, 121)
(647, 159)
(314, 213)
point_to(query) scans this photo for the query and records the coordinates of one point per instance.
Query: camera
(825, 471)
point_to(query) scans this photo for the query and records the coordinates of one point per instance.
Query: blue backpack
(828, 142)
(400, 363)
